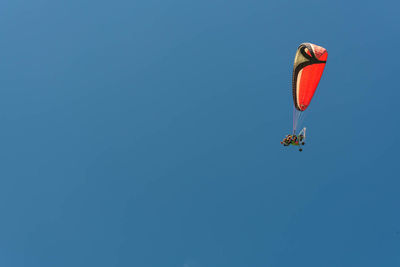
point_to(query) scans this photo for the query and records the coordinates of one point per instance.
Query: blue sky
(146, 134)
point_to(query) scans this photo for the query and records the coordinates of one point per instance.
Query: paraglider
(295, 140)
(309, 64)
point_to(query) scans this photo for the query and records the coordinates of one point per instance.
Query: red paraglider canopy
(309, 64)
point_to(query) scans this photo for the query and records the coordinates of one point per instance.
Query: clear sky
(146, 133)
